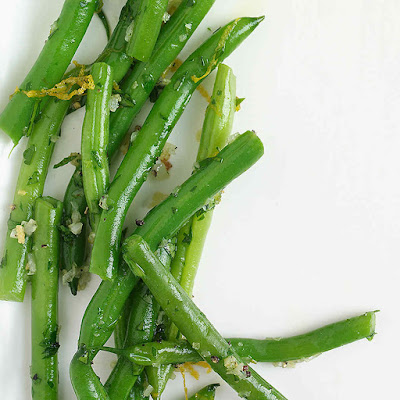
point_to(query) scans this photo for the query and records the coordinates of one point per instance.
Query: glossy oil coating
(103, 311)
(46, 239)
(30, 184)
(194, 325)
(61, 45)
(152, 137)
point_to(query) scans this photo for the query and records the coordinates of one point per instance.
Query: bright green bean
(141, 81)
(30, 185)
(95, 131)
(65, 35)
(44, 366)
(161, 223)
(153, 136)
(295, 348)
(193, 324)
(146, 28)
(217, 127)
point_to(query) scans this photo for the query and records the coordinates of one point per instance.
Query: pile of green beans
(145, 297)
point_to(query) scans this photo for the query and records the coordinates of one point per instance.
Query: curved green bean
(161, 223)
(86, 383)
(65, 35)
(44, 366)
(30, 185)
(104, 20)
(282, 350)
(95, 131)
(146, 28)
(141, 81)
(193, 324)
(154, 134)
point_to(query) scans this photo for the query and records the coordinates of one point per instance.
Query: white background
(310, 235)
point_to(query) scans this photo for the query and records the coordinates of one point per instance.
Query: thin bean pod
(217, 127)
(85, 382)
(193, 324)
(293, 348)
(141, 81)
(104, 20)
(65, 36)
(146, 28)
(44, 366)
(95, 130)
(161, 223)
(148, 145)
(30, 185)
(73, 247)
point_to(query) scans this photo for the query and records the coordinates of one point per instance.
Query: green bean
(193, 324)
(144, 76)
(95, 130)
(277, 350)
(207, 393)
(104, 20)
(161, 223)
(139, 389)
(73, 247)
(65, 35)
(217, 127)
(146, 28)
(44, 367)
(85, 382)
(140, 327)
(153, 135)
(30, 185)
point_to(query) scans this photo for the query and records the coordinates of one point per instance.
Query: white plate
(309, 236)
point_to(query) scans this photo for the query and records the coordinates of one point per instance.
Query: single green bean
(146, 28)
(148, 145)
(282, 350)
(162, 222)
(30, 185)
(86, 383)
(65, 35)
(141, 81)
(44, 366)
(193, 324)
(104, 20)
(73, 245)
(139, 389)
(95, 130)
(217, 127)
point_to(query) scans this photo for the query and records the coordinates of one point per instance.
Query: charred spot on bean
(139, 222)
(215, 359)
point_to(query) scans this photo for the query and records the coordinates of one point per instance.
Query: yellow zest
(115, 86)
(172, 68)
(182, 371)
(204, 364)
(189, 368)
(219, 47)
(203, 91)
(62, 90)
